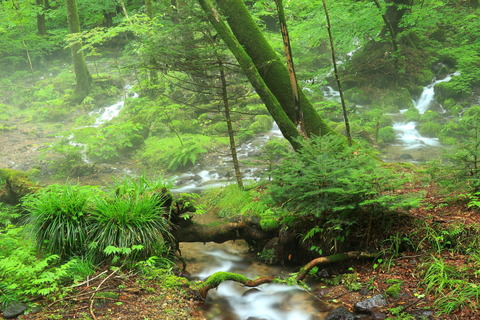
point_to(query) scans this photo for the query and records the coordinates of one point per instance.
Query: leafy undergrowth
(429, 271)
(119, 295)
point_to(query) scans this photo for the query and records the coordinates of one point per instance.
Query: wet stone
(14, 309)
(366, 306)
(341, 313)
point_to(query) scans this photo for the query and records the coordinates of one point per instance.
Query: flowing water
(232, 301)
(409, 145)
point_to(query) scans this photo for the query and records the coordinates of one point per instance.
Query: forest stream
(231, 301)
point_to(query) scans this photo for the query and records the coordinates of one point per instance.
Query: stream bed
(232, 301)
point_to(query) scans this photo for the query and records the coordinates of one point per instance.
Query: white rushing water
(408, 137)
(108, 113)
(102, 116)
(220, 172)
(428, 94)
(266, 302)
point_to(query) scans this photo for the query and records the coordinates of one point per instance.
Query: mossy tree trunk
(41, 24)
(273, 105)
(269, 65)
(82, 75)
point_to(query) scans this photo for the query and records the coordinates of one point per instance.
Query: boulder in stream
(340, 313)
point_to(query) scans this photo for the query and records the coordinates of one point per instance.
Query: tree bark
(270, 67)
(82, 75)
(231, 136)
(41, 24)
(337, 77)
(285, 124)
(299, 121)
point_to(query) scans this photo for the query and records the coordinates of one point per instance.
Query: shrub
(57, 217)
(171, 154)
(131, 217)
(386, 135)
(335, 187)
(430, 128)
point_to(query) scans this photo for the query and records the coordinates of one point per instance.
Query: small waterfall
(108, 113)
(428, 94)
(103, 115)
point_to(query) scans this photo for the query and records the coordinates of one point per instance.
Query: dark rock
(14, 309)
(422, 314)
(364, 291)
(341, 313)
(366, 306)
(376, 315)
(251, 291)
(405, 156)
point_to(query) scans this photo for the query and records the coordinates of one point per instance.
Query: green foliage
(386, 135)
(132, 216)
(65, 159)
(171, 154)
(394, 290)
(464, 156)
(57, 216)
(327, 176)
(122, 137)
(25, 274)
(439, 276)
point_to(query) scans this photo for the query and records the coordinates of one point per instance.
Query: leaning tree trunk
(286, 125)
(269, 65)
(82, 75)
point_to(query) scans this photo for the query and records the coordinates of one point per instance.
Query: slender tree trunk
(41, 24)
(388, 25)
(337, 77)
(83, 77)
(270, 67)
(287, 126)
(231, 136)
(153, 73)
(299, 121)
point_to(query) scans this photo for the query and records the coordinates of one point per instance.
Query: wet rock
(366, 306)
(405, 156)
(376, 315)
(251, 291)
(14, 309)
(341, 313)
(364, 291)
(422, 314)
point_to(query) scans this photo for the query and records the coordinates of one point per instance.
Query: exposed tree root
(217, 278)
(220, 232)
(333, 259)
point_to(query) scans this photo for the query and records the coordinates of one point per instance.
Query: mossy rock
(14, 184)
(358, 96)
(425, 77)
(430, 129)
(394, 291)
(454, 89)
(393, 100)
(263, 123)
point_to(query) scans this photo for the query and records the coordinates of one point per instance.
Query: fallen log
(217, 278)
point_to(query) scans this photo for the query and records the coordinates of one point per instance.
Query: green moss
(218, 277)
(394, 291)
